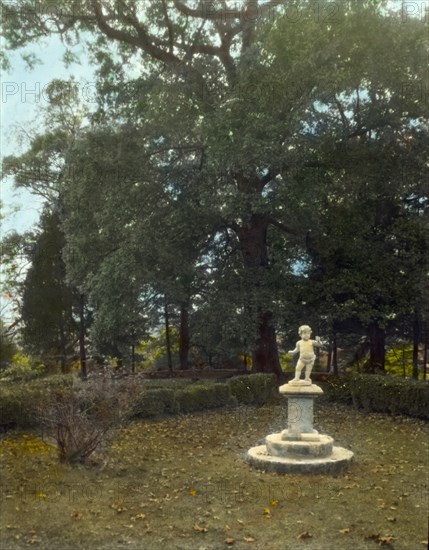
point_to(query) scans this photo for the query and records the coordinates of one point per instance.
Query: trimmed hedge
(198, 397)
(155, 402)
(253, 388)
(19, 402)
(377, 393)
(18, 407)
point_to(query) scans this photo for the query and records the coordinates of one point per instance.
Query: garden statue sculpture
(305, 348)
(300, 449)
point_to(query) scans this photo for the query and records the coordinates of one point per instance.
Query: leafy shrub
(154, 402)
(22, 368)
(197, 397)
(253, 388)
(12, 410)
(171, 383)
(337, 388)
(378, 393)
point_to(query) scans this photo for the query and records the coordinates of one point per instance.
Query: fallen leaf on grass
(118, 507)
(77, 515)
(266, 512)
(140, 516)
(304, 535)
(249, 539)
(274, 502)
(200, 529)
(229, 540)
(192, 492)
(381, 539)
(345, 531)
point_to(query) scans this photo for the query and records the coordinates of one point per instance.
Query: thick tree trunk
(184, 337)
(265, 354)
(376, 336)
(253, 243)
(167, 337)
(416, 341)
(82, 349)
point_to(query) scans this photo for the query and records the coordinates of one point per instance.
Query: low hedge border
(19, 402)
(378, 393)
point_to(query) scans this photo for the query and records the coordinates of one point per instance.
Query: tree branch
(205, 10)
(282, 226)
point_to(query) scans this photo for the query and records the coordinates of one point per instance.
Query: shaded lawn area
(182, 483)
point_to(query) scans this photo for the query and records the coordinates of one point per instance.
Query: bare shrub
(80, 418)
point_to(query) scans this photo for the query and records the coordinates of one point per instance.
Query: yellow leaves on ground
(345, 531)
(118, 506)
(22, 444)
(304, 535)
(192, 492)
(382, 539)
(200, 529)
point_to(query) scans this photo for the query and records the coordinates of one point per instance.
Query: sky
(22, 96)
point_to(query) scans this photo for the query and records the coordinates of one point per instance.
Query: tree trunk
(133, 358)
(334, 354)
(425, 360)
(62, 348)
(375, 363)
(167, 337)
(416, 341)
(253, 243)
(184, 337)
(329, 359)
(82, 350)
(265, 355)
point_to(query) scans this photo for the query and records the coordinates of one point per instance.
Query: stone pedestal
(299, 448)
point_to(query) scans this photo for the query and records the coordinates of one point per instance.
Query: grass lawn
(182, 483)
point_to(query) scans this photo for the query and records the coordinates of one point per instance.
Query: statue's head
(304, 328)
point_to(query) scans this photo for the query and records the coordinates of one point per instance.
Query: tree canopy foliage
(244, 164)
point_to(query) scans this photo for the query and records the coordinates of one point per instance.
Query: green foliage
(285, 362)
(8, 347)
(22, 367)
(20, 401)
(178, 165)
(376, 393)
(154, 350)
(337, 388)
(399, 361)
(198, 397)
(155, 402)
(253, 388)
(170, 383)
(48, 301)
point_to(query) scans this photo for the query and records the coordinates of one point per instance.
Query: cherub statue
(305, 348)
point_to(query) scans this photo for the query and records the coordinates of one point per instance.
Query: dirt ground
(182, 483)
